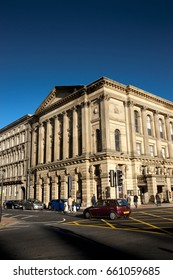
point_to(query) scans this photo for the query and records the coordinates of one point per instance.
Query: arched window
(98, 141)
(136, 120)
(149, 125)
(171, 130)
(161, 128)
(117, 140)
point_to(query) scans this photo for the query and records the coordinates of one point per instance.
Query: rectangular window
(163, 152)
(138, 148)
(151, 150)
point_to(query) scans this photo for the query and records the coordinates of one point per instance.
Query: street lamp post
(2, 181)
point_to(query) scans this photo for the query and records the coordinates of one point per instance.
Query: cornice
(149, 96)
(52, 166)
(106, 82)
(12, 125)
(129, 91)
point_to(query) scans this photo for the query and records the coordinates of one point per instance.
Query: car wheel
(87, 215)
(113, 216)
(126, 217)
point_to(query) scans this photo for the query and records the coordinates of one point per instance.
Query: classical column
(39, 188)
(34, 147)
(157, 132)
(65, 138)
(54, 187)
(145, 132)
(75, 133)
(40, 152)
(74, 186)
(48, 139)
(47, 189)
(86, 193)
(85, 128)
(131, 124)
(168, 134)
(56, 139)
(105, 130)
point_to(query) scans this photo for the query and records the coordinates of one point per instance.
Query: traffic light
(112, 178)
(119, 177)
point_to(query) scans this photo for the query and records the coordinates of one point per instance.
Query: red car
(108, 208)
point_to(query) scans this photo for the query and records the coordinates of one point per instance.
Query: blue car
(58, 205)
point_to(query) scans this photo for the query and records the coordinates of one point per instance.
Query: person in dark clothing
(158, 201)
(93, 200)
(135, 200)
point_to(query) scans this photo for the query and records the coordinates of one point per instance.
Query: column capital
(85, 104)
(104, 96)
(74, 108)
(130, 103)
(144, 108)
(156, 112)
(64, 113)
(40, 124)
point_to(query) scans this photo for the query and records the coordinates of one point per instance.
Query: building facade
(81, 133)
(14, 159)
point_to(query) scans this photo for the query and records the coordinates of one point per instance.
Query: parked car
(33, 204)
(13, 204)
(108, 208)
(58, 205)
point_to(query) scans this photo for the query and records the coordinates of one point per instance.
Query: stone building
(14, 158)
(79, 133)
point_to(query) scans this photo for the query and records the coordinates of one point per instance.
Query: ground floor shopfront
(83, 178)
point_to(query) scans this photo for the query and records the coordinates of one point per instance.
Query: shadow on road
(76, 247)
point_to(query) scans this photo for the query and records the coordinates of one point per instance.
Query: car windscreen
(121, 202)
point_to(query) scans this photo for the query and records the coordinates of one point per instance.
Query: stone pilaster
(145, 132)
(131, 128)
(54, 188)
(105, 130)
(65, 138)
(34, 147)
(56, 139)
(85, 127)
(75, 133)
(168, 134)
(64, 188)
(157, 132)
(40, 152)
(48, 143)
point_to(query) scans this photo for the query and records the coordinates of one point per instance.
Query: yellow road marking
(157, 216)
(152, 226)
(110, 225)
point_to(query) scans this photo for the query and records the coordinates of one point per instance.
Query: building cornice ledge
(149, 96)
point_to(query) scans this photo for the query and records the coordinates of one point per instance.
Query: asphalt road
(148, 234)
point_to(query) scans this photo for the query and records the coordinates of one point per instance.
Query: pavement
(153, 205)
(5, 222)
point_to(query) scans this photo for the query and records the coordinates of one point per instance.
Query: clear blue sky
(44, 43)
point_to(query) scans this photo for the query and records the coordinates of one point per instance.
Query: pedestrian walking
(129, 200)
(70, 201)
(93, 200)
(158, 201)
(135, 200)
